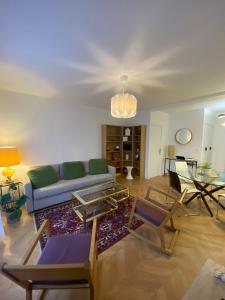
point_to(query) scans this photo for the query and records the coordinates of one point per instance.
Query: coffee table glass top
(99, 192)
(98, 200)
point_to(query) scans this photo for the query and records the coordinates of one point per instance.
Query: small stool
(129, 169)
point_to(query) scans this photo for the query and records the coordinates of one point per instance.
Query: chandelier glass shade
(123, 105)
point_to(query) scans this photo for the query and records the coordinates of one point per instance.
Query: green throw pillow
(73, 169)
(97, 166)
(42, 176)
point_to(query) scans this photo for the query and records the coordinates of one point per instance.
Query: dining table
(208, 182)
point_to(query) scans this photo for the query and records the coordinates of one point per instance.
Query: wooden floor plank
(131, 269)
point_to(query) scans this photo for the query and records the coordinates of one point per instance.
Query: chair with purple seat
(156, 215)
(66, 262)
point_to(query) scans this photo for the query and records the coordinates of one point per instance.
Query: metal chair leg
(206, 205)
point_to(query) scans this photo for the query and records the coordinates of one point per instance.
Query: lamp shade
(171, 151)
(9, 156)
(123, 106)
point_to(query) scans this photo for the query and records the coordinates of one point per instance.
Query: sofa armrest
(28, 191)
(112, 170)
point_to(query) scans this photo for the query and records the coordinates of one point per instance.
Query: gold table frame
(106, 195)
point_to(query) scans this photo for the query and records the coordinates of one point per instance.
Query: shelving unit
(121, 149)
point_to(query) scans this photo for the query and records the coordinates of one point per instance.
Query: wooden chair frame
(25, 275)
(168, 218)
(218, 217)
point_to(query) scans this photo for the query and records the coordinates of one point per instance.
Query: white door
(207, 143)
(156, 154)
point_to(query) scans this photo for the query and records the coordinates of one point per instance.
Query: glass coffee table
(98, 200)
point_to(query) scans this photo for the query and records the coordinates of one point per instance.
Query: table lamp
(9, 156)
(171, 151)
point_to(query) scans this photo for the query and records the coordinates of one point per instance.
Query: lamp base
(8, 172)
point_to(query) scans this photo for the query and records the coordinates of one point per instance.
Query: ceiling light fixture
(123, 105)
(220, 116)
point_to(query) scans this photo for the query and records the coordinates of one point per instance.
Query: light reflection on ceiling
(17, 79)
(141, 71)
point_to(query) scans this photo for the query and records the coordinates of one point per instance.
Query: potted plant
(204, 168)
(11, 204)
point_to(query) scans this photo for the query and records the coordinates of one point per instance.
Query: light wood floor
(131, 269)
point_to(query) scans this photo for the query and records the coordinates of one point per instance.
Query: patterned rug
(111, 227)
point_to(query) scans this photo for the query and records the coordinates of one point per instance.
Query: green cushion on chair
(97, 166)
(73, 169)
(42, 176)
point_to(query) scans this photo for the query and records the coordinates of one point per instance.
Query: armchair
(221, 197)
(66, 262)
(156, 216)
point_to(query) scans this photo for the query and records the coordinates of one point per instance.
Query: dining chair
(195, 191)
(66, 262)
(156, 216)
(182, 168)
(177, 185)
(220, 198)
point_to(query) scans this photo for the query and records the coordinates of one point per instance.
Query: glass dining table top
(208, 177)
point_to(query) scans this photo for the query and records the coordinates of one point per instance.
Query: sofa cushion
(42, 176)
(73, 169)
(63, 186)
(97, 166)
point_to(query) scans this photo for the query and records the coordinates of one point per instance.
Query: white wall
(50, 130)
(162, 119)
(193, 120)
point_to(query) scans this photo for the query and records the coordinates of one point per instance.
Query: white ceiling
(172, 50)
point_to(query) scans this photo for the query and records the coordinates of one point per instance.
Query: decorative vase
(127, 131)
(171, 151)
(207, 172)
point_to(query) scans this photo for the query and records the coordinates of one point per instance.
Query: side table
(192, 162)
(16, 193)
(13, 192)
(129, 175)
(2, 232)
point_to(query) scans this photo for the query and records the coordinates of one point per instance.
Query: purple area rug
(111, 227)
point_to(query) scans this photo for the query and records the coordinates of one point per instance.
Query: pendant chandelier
(123, 105)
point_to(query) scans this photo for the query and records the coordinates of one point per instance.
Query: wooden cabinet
(124, 146)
